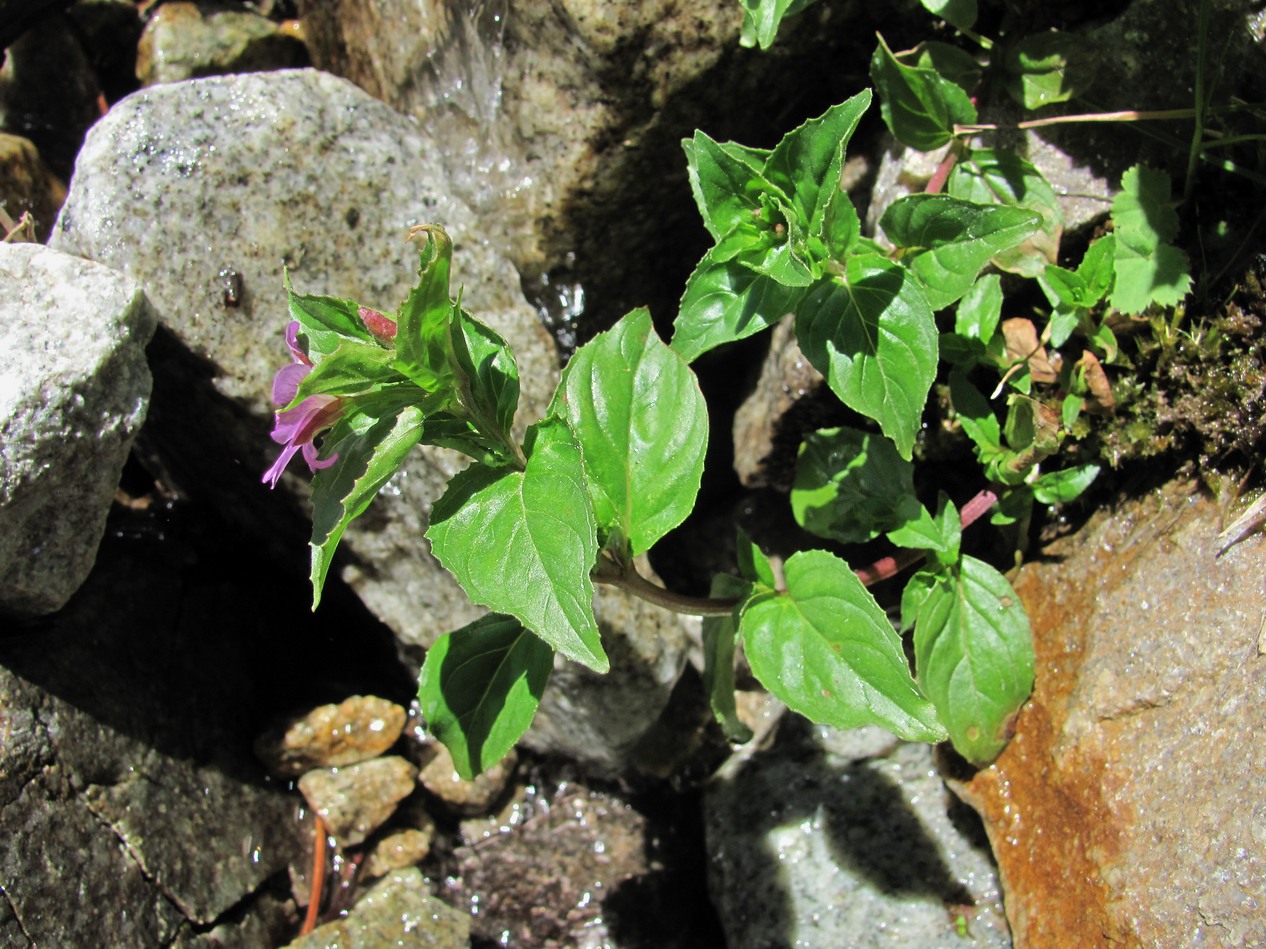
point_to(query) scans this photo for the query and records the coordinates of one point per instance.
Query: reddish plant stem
(317, 883)
(890, 566)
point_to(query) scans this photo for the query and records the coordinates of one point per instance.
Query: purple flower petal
(286, 383)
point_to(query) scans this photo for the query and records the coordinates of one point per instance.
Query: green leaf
(827, 650)
(1095, 268)
(726, 186)
(959, 13)
(724, 302)
(851, 486)
(326, 322)
(806, 164)
(1060, 487)
(1000, 177)
(719, 638)
(872, 335)
(523, 542)
(949, 62)
(369, 450)
(479, 689)
(841, 227)
(1045, 68)
(753, 565)
(1148, 270)
(422, 334)
(351, 368)
(975, 415)
(974, 654)
(761, 19)
(940, 534)
(642, 424)
(947, 241)
(919, 106)
(489, 378)
(980, 309)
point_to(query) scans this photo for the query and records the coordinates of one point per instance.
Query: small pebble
(400, 849)
(357, 729)
(356, 800)
(469, 798)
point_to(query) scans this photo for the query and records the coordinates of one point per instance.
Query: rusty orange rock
(1130, 808)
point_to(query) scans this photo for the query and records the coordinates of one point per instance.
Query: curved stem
(626, 577)
(317, 883)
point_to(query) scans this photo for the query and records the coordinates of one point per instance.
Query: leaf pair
(822, 645)
(616, 464)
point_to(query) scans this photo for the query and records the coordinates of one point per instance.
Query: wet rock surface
(399, 911)
(1128, 809)
(73, 395)
(356, 729)
(355, 800)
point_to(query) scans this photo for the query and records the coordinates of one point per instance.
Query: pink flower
(295, 428)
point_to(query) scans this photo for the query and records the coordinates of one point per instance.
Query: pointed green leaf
(851, 486)
(1060, 487)
(422, 334)
(351, 368)
(761, 19)
(806, 163)
(642, 424)
(489, 377)
(841, 227)
(719, 639)
(369, 450)
(726, 186)
(959, 13)
(975, 415)
(980, 309)
(753, 565)
(826, 649)
(974, 655)
(872, 335)
(947, 241)
(1000, 177)
(725, 302)
(479, 689)
(919, 106)
(524, 542)
(939, 534)
(948, 62)
(326, 321)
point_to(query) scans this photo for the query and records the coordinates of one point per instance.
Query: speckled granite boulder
(74, 388)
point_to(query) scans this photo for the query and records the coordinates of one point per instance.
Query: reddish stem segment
(890, 566)
(317, 883)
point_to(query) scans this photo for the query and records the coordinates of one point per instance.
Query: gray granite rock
(849, 838)
(73, 394)
(398, 911)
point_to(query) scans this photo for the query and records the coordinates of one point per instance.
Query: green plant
(531, 525)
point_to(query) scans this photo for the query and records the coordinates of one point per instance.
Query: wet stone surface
(356, 729)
